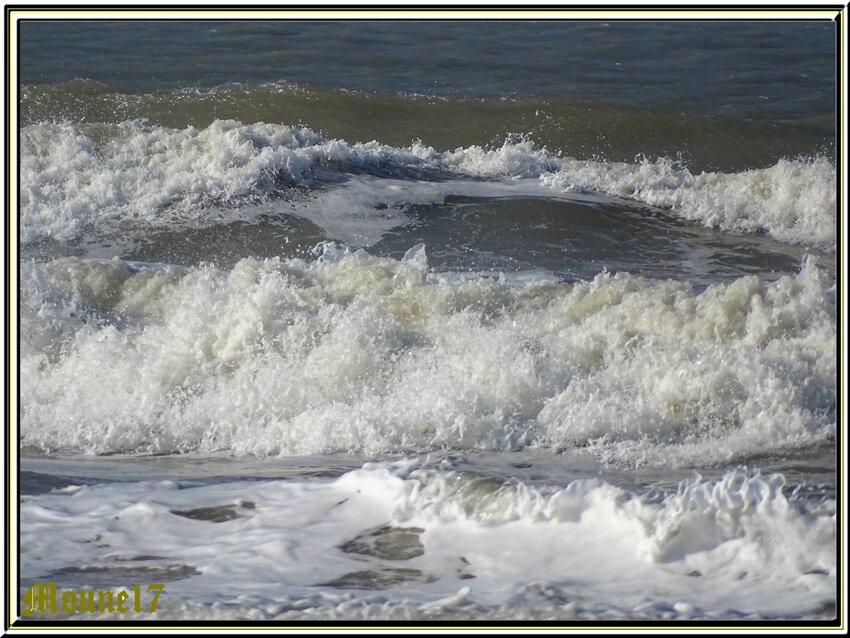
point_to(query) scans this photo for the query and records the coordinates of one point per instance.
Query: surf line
(44, 598)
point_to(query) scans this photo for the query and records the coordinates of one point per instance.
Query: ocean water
(436, 320)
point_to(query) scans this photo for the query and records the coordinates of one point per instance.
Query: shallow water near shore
(435, 538)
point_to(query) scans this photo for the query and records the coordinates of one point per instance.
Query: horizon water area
(391, 321)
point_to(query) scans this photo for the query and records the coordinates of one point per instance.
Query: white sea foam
(404, 541)
(78, 179)
(793, 200)
(74, 176)
(352, 352)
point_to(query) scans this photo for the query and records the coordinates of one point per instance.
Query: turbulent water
(483, 321)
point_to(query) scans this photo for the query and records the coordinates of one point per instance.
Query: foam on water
(280, 427)
(793, 201)
(79, 179)
(74, 177)
(414, 540)
(351, 352)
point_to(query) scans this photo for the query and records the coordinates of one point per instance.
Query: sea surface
(431, 320)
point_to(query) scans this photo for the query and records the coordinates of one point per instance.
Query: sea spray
(349, 352)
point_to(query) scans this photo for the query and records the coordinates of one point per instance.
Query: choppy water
(327, 320)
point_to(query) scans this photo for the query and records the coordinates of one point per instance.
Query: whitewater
(421, 330)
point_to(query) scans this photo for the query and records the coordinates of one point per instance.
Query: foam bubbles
(734, 547)
(86, 179)
(157, 176)
(793, 200)
(352, 352)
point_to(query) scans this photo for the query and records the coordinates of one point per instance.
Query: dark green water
(720, 95)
